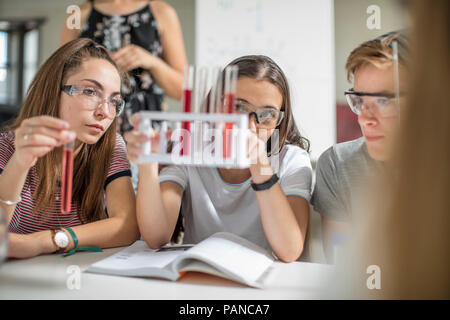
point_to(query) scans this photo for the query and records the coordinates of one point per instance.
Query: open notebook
(222, 254)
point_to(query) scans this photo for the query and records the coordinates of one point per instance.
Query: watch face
(61, 239)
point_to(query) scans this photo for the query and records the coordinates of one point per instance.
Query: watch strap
(265, 185)
(76, 247)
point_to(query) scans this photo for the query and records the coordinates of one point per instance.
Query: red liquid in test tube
(66, 177)
(227, 131)
(230, 91)
(188, 79)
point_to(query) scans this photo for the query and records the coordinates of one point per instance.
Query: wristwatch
(265, 185)
(60, 239)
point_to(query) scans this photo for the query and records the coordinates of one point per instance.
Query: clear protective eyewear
(267, 117)
(385, 103)
(92, 98)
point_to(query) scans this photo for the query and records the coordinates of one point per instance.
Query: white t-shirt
(211, 205)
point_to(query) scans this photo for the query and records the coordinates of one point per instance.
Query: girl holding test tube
(75, 97)
(267, 203)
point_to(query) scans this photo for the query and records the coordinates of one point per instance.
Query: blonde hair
(377, 52)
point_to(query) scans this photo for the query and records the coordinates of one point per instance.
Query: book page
(230, 254)
(138, 260)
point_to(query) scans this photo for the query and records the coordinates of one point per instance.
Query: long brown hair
(92, 162)
(261, 67)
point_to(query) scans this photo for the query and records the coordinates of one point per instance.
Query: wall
(297, 34)
(53, 11)
(186, 14)
(350, 21)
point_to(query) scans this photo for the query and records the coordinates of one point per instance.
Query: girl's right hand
(135, 139)
(37, 136)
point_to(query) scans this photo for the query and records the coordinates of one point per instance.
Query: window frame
(16, 30)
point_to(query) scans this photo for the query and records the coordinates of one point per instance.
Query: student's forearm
(107, 233)
(151, 214)
(12, 180)
(277, 216)
(169, 79)
(280, 225)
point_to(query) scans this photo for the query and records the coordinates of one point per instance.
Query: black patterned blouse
(117, 31)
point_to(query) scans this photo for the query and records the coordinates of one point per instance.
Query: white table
(51, 277)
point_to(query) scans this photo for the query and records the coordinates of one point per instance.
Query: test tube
(242, 142)
(188, 82)
(176, 137)
(218, 130)
(201, 89)
(194, 140)
(163, 138)
(66, 177)
(216, 107)
(144, 127)
(231, 74)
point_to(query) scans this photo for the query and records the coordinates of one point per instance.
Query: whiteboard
(297, 34)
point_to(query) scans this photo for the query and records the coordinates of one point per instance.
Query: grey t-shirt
(211, 205)
(342, 173)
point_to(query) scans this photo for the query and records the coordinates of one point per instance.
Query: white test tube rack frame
(202, 151)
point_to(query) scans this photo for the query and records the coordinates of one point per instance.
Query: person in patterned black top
(145, 39)
(75, 96)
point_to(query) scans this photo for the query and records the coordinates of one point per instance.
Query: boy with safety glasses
(343, 169)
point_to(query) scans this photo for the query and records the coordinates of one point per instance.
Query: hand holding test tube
(156, 140)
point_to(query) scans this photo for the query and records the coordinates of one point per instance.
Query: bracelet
(9, 202)
(265, 185)
(75, 241)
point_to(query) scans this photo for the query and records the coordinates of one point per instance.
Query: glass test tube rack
(202, 144)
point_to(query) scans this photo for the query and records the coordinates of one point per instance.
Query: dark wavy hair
(260, 67)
